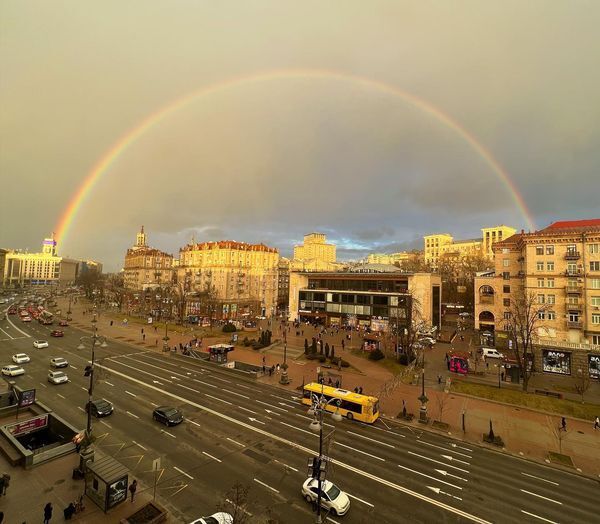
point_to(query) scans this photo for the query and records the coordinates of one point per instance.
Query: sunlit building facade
(146, 267)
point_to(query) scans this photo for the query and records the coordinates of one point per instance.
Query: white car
(40, 344)
(21, 358)
(215, 518)
(57, 377)
(59, 362)
(430, 341)
(12, 370)
(332, 497)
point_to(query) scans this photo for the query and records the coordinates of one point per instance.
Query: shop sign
(117, 492)
(594, 366)
(556, 362)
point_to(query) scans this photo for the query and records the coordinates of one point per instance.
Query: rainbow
(112, 155)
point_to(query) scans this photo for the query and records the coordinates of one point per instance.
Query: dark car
(167, 415)
(100, 408)
(57, 333)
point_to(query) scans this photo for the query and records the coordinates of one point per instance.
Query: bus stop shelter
(107, 482)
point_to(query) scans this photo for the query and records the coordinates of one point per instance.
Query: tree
(313, 346)
(441, 400)
(235, 502)
(582, 383)
(524, 318)
(332, 354)
(326, 349)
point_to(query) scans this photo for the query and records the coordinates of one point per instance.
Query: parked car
(332, 497)
(57, 333)
(491, 353)
(216, 518)
(100, 408)
(57, 377)
(40, 344)
(63, 323)
(21, 358)
(430, 341)
(12, 370)
(26, 318)
(167, 415)
(59, 362)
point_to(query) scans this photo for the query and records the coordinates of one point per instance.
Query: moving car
(59, 362)
(332, 497)
(100, 408)
(12, 370)
(21, 358)
(57, 333)
(430, 341)
(491, 353)
(63, 323)
(40, 344)
(57, 377)
(167, 415)
(216, 518)
(26, 319)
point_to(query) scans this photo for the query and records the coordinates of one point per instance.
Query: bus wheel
(349, 416)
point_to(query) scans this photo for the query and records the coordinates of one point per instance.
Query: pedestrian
(563, 424)
(144, 337)
(330, 382)
(156, 343)
(597, 423)
(277, 369)
(142, 331)
(439, 378)
(337, 384)
(264, 368)
(69, 511)
(2, 485)
(502, 376)
(356, 389)
(343, 344)
(47, 513)
(360, 390)
(272, 370)
(111, 323)
(6, 482)
(1, 517)
(133, 488)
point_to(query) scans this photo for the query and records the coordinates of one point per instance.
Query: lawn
(530, 400)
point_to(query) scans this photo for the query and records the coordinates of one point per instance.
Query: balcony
(574, 324)
(572, 255)
(574, 272)
(574, 288)
(574, 307)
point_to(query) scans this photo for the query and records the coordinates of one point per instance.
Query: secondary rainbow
(112, 155)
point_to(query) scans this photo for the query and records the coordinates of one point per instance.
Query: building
(229, 279)
(371, 295)
(436, 246)
(394, 259)
(560, 266)
(315, 247)
(283, 285)
(38, 269)
(146, 267)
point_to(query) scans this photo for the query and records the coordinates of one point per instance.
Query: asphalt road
(239, 431)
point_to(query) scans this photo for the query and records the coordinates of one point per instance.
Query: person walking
(132, 489)
(439, 378)
(277, 369)
(563, 424)
(47, 513)
(597, 423)
(5, 483)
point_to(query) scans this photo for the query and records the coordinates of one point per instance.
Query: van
(491, 353)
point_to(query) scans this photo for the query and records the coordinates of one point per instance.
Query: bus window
(351, 406)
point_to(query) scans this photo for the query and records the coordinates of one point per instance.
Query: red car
(63, 323)
(57, 333)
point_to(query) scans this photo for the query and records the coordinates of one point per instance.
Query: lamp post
(69, 310)
(317, 410)
(94, 339)
(423, 398)
(284, 375)
(166, 337)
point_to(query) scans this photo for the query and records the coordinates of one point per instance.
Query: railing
(574, 324)
(572, 255)
(573, 307)
(574, 272)
(574, 289)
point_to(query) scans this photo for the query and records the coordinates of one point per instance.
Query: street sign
(156, 464)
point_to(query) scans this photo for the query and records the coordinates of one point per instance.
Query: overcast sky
(272, 160)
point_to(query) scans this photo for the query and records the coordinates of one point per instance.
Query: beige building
(240, 279)
(45, 268)
(436, 246)
(146, 267)
(394, 259)
(560, 266)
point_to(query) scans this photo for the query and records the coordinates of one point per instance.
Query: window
(549, 250)
(549, 266)
(550, 282)
(540, 282)
(551, 299)
(595, 283)
(505, 251)
(507, 315)
(541, 299)
(596, 340)
(550, 315)
(572, 268)
(542, 315)
(572, 249)
(573, 317)
(594, 249)
(595, 265)
(595, 318)
(539, 250)
(595, 301)
(505, 289)
(539, 266)
(506, 275)
(506, 302)
(506, 262)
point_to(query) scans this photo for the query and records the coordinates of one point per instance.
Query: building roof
(374, 268)
(228, 244)
(570, 225)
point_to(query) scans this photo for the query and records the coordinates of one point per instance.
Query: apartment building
(560, 266)
(146, 267)
(394, 259)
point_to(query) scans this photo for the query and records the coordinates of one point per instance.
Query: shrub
(311, 356)
(345, 364)
(246, 342)
(403, 359)
(321, 358)
(257, 345)
(376, 355)
(229, 328)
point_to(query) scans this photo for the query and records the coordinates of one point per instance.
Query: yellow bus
(351, 405)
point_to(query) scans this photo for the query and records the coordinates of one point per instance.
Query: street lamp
(423, 398)
(94, 339)
(284, 375)
(317, 410)
(166, 337)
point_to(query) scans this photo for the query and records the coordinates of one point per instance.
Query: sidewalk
(525, 432)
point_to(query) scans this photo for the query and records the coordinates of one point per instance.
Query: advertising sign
(556, 362)
(22, 428)
(594, 366)
(26, 397)
(117, 492)
(378, 325)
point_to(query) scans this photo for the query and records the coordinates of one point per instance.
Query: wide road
(237, 430)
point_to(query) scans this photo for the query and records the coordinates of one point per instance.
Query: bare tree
(441, 401)
(582, 383)
(559, 433)
(236, 503)
(525, 315)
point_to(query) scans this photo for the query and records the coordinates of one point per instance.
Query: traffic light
(88, 371)
(316, 468)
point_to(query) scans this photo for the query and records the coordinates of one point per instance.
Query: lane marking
(84, 389)
(539, 478)
(79, 408)
(438, 462)
(73, 367)
(451, 458)
(429, 476)
(183, 473)
(187, 387)
(106, 424)
(167, 433)
(359, 451)
(138, 444)
(234, 393)
(304, 449)
(238, 443)
(219, 399)
(153, 375)
(266, 485)
(542, 497)
(210, 456)
(389, 431)
(221, 379)
(371, 439)
(44, 385)
(360, 500)
(61, 396)
(299, 429)
(286, 465)
(107, 382)
(193, 422)
(205, 383)
(538, 517)
(443, 448)
(248, 410)
(130, 393)
(132, 414)
(271, 406)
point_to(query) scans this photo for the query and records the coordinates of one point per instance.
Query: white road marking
(271, 406)
(234, 393)
(331, 520)
(446, 474)
(205, 383)
(371, 439)
(186, 387)
(438, 462)
(538, 517)
(132, 414)
(183, 473)
(79, 408)
(130, 393)
(389, 431)
(539, 478)
(73, 367)
(428, 476)
(461, 447)
(61, 396)
(219, 399)
(294, 445)
(107, 382)
(84, 389)
(360, 500)
(106, 424)
(210, 456)
(266, 486)
(154, 404)
(238, 507)
(44, 385)
(540, 496)
(443, 448)
(137, 444)
(286, 465)
(248, 410)
(451, 458)
(300, 429)
(193, 422)
(167, 433)
(236, 442)
(221, 379)
(359, 451)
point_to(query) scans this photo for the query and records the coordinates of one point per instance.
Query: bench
(548, 393)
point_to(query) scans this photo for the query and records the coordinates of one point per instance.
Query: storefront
(594, 366)
(555, 361)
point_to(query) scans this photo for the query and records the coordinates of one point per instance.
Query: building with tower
(146, 267)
